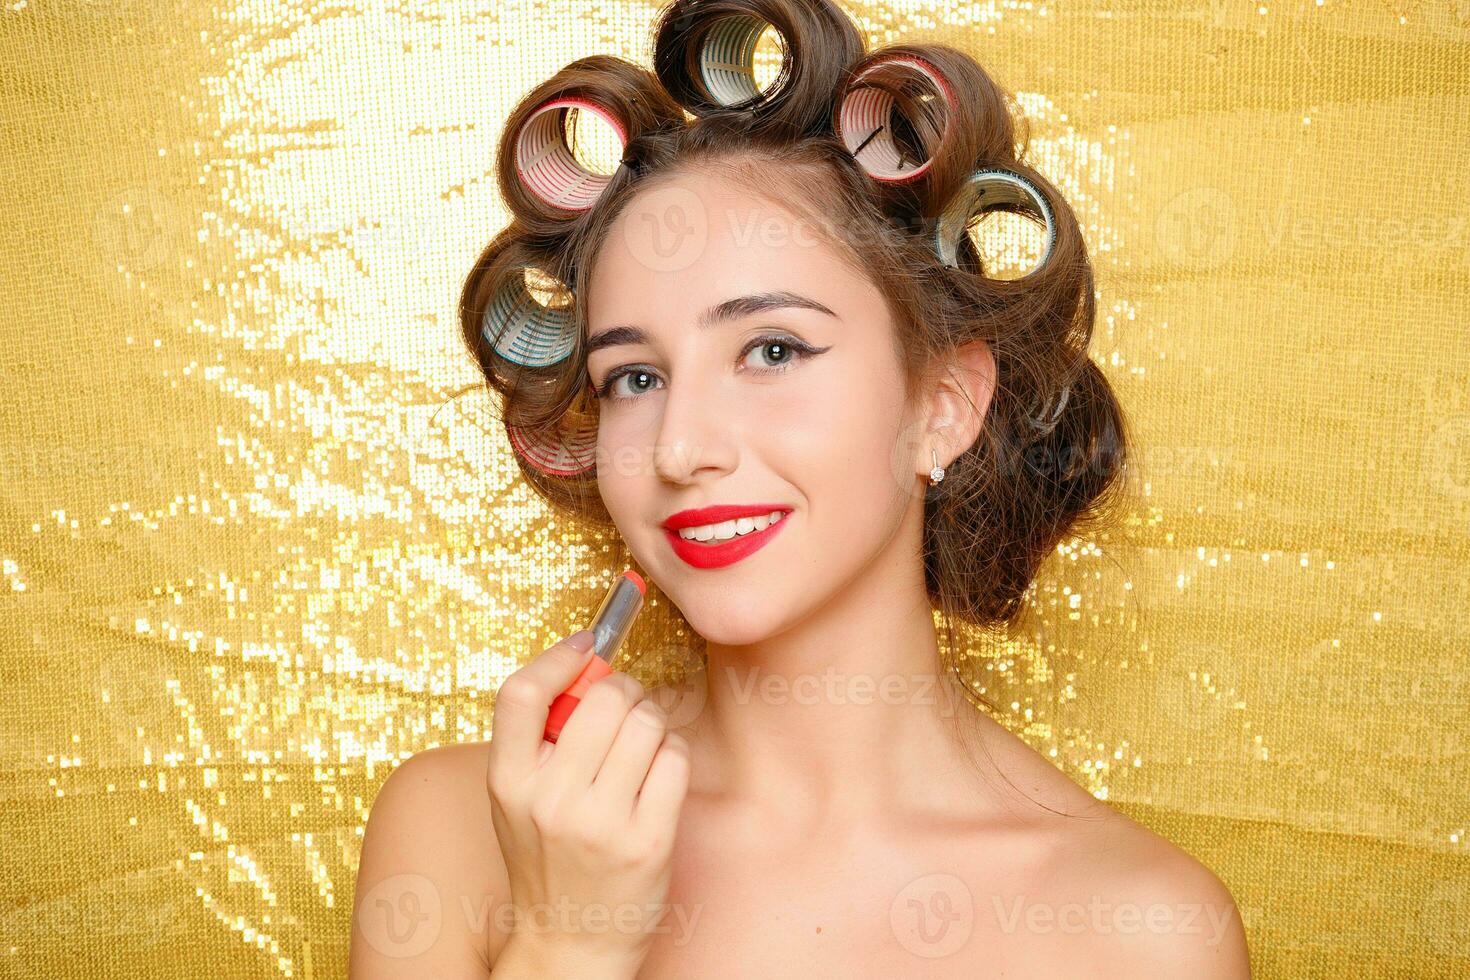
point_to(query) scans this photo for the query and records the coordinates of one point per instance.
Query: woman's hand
(586, 826)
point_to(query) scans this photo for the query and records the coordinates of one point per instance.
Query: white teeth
(726, 530)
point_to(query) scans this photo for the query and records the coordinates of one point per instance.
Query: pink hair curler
(548, 167)
(865, 113)
(574, 455)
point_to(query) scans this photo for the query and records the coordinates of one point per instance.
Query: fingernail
(581, 640)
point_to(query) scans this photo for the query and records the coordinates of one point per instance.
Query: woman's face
(795, 406)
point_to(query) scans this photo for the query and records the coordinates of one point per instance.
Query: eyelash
(799, 348)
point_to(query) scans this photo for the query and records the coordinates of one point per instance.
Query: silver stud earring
(937, 473)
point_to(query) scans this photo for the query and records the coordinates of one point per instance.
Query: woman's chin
(728, 623)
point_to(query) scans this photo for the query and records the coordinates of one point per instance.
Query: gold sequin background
(259, 545)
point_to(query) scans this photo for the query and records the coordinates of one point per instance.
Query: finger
(524, 700)
(588, 734)
(627, 762)
(657, 809)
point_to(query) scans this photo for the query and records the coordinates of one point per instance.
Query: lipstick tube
(610, 626)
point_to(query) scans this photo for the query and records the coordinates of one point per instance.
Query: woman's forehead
(697, 239)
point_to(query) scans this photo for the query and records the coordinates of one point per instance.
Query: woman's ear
(957, 404)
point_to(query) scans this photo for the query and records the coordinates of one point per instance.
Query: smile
(716, 545)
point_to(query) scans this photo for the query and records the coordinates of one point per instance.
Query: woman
(776, 309)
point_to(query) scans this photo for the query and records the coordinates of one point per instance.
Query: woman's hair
(1051, 448)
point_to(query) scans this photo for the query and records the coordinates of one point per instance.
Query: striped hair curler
(706, 61)
(525, 331)
(727, 60)
(572, 455)
(985, 191)
(867, 111)
(547, 165)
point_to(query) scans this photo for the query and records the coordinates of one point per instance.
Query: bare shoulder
(1143, 905)
(431, 877)
(1154, 909)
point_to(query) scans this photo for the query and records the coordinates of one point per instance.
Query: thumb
(561, 662)
(572, 651)
(518, 723)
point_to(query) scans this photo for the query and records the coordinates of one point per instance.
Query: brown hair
(1047, 460)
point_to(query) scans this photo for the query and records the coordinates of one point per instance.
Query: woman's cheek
(839, 415)
(623, 464)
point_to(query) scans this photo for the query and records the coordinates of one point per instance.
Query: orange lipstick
(610, 626)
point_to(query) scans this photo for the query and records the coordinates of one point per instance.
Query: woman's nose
(696, 434)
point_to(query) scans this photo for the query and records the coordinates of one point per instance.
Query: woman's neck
(846, 712)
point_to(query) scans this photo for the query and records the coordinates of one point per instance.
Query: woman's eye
(772, 354)
(639, 381)
(764, 355)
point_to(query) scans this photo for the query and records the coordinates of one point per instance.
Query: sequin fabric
(262, 540)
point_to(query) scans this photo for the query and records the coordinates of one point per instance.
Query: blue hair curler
(987, 190)
(525, 331)
(727, 60)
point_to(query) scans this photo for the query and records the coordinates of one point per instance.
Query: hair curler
(526, 331)
(705, 54)
(992, 189)
(546, 164)
(866, 112)
(569, 453)
(610, 626)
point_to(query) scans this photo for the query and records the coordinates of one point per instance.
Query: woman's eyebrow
(730, 309)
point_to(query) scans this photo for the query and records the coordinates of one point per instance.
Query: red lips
(718, 513)
(717, 555)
